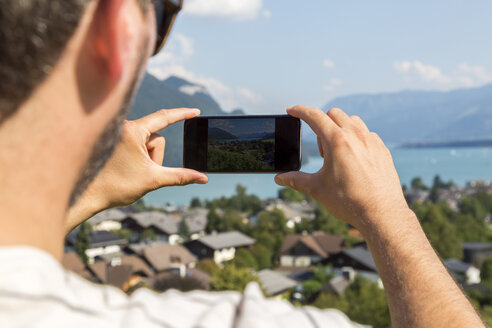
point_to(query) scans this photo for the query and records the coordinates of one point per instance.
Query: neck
(37, 173)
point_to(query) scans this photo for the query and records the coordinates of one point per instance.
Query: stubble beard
(109, 138)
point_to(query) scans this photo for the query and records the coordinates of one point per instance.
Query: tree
(324, 221)
(245, 259)
(213, 221)
(486, 270)
(232, 278)
(123, 233)
(291, 195)
(310, 288)
(472, 206)
(147, 234)
(368, 303)
(263, 256)
(83, 241)
(140, 205)
(184, 230)
(441, 233)
(417, 183)
(195, 202)
(208, 266)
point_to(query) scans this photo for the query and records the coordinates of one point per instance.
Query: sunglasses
(165, 14)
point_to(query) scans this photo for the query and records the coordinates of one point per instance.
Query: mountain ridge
(423, 116)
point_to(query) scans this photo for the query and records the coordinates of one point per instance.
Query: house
(274, 283)
(463, 272)
(101, 243)
(416, 195)
(220, 247)
(294, 212)
(72, 262)
(165, 257)
(123, 272)
(476, 253)
(336, 285)
(359, 258)
(304, 250)
(107, 220)
(166, 226)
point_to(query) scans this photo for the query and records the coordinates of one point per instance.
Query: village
(289, 245)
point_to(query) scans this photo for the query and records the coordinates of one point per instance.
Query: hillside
(174, 92)
(215, 134)
(424, 116)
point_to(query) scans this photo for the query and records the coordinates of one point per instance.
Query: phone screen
(252, 144)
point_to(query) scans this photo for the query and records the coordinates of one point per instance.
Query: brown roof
(130, 265)
(319, 242)
(112, 275)
(137, 264)
(162, 256)
(72, 262)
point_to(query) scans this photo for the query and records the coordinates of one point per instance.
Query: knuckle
(181, 180)
(339, 137)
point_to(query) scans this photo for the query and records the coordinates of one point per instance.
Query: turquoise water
(459, 164)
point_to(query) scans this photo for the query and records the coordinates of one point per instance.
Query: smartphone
(242, 144)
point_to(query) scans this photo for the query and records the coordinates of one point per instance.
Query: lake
(458, 164)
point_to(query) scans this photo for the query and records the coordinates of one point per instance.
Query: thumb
(171, 176)
(300, 181)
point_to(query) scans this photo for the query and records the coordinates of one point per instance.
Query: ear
(110, 38)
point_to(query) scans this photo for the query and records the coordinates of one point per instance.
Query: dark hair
(33, 35)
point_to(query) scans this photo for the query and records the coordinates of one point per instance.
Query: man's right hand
(358, 181)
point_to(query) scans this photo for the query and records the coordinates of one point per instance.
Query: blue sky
(266, 55)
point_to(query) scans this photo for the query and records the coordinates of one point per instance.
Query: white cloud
(428, 73)
(403, 66)
(328, 64)
(474, 74)
(464, 76)
(172, 62)
(231, 9)
(332, 84)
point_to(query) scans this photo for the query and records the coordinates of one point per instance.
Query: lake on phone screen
(457, 164)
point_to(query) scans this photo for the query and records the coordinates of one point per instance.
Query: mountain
(424, 116)
(174, 92)
(259, 135)
(219, 134)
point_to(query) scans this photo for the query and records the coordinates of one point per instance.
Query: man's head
(68, 70)
(85, 55)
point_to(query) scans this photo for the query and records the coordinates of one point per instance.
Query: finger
(315, 118)
(300, 181)
(320, 148)
(340, 118)
(359, 123)
(164, 117)
(155, 148)
(171, 176)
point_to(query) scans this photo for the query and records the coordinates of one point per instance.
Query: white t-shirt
(36, 291)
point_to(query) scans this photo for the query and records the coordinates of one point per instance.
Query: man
(68, 69)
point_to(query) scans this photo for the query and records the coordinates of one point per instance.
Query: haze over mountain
(219, 134)
(424, 116)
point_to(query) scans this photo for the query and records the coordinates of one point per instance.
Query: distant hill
(219, 134)
(174, 92)
(424, 116)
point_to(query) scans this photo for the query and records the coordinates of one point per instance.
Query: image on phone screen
(242, 144)
(238, 145)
